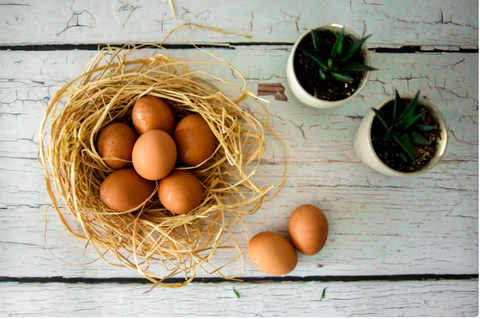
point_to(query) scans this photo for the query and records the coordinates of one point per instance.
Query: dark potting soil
(309, 78)
(388, 151)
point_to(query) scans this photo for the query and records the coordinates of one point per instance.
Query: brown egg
(116, 140)
(272, 254)
(194, 139)
(180, 192)
(154, 155)
(152, 113)
(125, 189)
(308, 229)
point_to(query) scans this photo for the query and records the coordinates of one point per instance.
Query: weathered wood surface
(379, 224)
(449, 80)
(437, 23)
(289, 299)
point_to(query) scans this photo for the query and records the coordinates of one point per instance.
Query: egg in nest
(152, 113)
(180, 192)
(116, 140)
(154, 155)
(194, 139)
(125, 189)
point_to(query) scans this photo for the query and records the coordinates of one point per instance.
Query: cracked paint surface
(379, 225)
(392, 23)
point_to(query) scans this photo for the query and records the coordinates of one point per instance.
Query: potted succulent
(328, 66)
(403, 136)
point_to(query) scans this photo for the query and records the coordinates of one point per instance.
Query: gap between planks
(274, 279)
(230, 46)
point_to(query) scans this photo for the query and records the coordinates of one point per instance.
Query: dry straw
(150, 235)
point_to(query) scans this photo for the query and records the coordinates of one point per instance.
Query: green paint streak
(384, 253)
(323, 293)
(236, 293)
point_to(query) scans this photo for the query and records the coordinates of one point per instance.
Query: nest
(150, 234)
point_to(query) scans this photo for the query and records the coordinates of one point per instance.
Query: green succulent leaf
(403, 129)
(312, 62)
(330, 63)
(322, 74)
(338, 46)
(408, 112)
(355, 66)
(344, 77)
(317, 56)
(417, 138)
(403, 154)
(382, 116)
(391, 132)
(414, 103)
(410, 121)
(424, 128)
(318, 43)
(350, 51)
(396, 106)
(406, 144)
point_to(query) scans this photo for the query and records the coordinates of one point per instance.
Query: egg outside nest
(273, 254)
(308, 229)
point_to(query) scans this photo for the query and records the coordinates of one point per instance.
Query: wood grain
(398, 247)
(290, 299)
(274, 89)
(434, 24)
(379, 225)
(447, 79)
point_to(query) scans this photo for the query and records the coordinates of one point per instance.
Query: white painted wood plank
(449, 80)
(427, 23)
(23, 182)
(372, 239)
(290, 299)
(376, 226)
(373, 231)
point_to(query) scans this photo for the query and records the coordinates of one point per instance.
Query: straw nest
(149, 234)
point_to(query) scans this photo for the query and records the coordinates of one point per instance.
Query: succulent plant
(402, 127)
(336, 63)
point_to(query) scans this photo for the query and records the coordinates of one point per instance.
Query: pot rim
(348, 31)
(441, 145)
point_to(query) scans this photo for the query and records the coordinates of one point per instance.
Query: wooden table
(396, 247)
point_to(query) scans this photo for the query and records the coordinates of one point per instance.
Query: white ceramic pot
(363, 141)
(305, 97)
